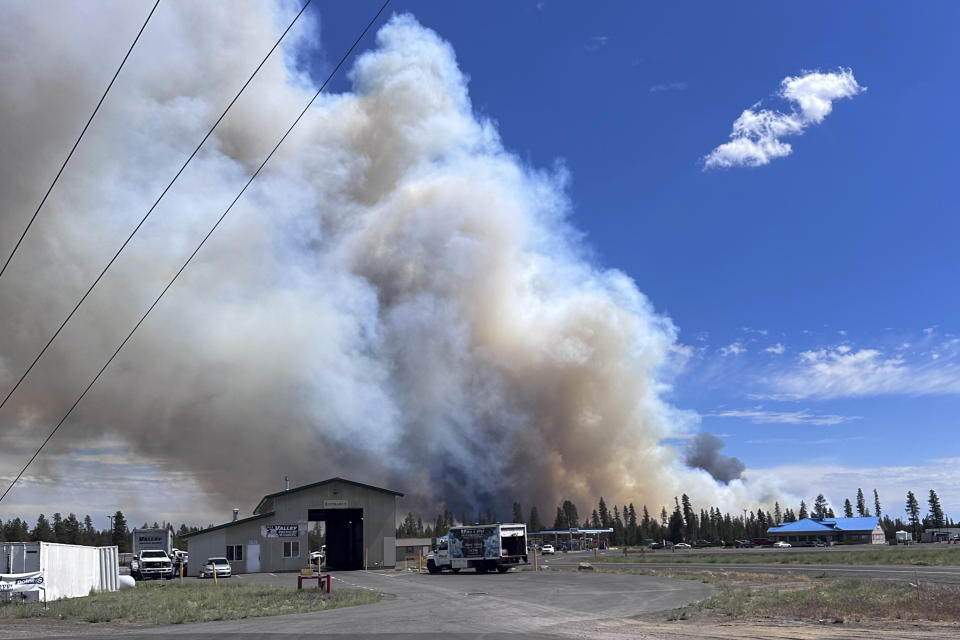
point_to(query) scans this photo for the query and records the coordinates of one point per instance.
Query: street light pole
(111, 523)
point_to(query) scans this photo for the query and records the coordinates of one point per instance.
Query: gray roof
(321, 483)
(229, 524)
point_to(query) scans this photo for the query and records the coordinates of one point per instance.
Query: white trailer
(484, 547)
(44, 571)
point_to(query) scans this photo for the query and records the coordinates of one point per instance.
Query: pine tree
(876, 503)
(847, 508)
(936, 511)
(913, 512)
(603, 514)
(595, 519)
(675, 524)
(120, 536)
(560, 522)
(71, 529)
(820, 507)
(617, 527)
(632, 537)
(861, 504)
(570, 513)
(777, 515)
(517, 513)
(57, 526)
(534, 523)
(689, 518)
(803, 511)
(89, 535)
(42, 531)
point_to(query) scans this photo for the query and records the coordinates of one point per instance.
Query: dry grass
(742, 596)
(884, 555)
(194, 602)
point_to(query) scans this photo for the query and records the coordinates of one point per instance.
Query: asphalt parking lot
(516, 604)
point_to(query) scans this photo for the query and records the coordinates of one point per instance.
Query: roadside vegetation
(939, 556)
(753, 597)
(176, 604)
(836, 601)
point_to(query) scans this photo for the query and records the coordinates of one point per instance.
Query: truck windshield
(154, 554)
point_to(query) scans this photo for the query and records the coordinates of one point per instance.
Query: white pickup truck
(151, 563)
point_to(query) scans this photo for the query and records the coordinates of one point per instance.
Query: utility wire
(199, 246)
(150, 210)
(75, 144)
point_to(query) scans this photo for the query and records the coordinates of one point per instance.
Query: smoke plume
(703, 452)
(397, 299)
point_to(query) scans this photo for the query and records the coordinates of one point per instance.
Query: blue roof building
(830, 530)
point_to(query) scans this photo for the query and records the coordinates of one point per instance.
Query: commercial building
(830, 530)
(573, 539)
(359, 520)
(940, 534)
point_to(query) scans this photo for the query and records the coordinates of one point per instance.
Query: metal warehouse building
(830, 530)
(360, 522)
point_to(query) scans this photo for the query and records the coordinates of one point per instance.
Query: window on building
(234, 552)
(291, 549)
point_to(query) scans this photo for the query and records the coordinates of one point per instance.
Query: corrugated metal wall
(69, 570)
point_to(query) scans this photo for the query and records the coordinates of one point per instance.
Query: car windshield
(218, 561)
(153, 554)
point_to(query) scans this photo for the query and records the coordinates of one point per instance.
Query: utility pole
(111, 523)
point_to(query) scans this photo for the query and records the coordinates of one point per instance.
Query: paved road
(519, 604)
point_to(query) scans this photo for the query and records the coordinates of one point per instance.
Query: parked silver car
(220, 565)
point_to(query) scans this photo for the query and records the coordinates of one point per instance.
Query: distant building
(940, 534)
(829, 530)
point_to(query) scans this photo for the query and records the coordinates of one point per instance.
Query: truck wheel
(502, 569)
(456, 570)
(432, 567)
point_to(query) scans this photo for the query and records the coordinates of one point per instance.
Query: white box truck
(482, 547)
(152, 539)
(46, 571)
(151, 554)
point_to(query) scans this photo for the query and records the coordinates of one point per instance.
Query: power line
(197, 250)
(75, 144)
(150, 210)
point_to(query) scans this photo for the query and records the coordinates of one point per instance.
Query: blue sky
(816, 293)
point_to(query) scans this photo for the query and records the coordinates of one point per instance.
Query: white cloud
(597, 42)
(760, 416)
(755, 139)
(776, 349)
(669, 86)
(735, 348)
(841, 371)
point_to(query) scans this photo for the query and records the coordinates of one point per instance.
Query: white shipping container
(68, 570)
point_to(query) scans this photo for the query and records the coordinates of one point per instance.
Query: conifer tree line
(685, 523)
(71, 530)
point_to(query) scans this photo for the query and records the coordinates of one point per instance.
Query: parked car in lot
(219, 565)
(547, 549)
(743, 544)
(780, 544)
(682, 545)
